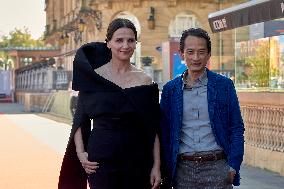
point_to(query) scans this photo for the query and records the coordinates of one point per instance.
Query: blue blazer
(225, 119)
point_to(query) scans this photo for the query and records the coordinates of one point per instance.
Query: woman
(122, 150)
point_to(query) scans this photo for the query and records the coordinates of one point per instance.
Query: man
(201, 128)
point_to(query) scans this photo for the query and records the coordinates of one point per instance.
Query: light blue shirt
(196, 132)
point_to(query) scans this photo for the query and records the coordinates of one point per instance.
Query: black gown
(121, 140)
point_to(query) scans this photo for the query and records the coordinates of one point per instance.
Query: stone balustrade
(263, 115)
(41, 77)
(264, 127)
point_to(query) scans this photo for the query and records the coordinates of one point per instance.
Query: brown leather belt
(205, 157)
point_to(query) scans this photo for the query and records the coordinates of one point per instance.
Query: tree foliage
(16, 38)
(6, 62)
(20, 38)
(259, 64)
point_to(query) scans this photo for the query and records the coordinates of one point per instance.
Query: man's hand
(231, 176)
(90, 167)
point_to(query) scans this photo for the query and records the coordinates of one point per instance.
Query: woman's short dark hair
(197, 32)
(117, 24)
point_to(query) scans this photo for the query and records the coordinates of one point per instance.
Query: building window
(260, 64)
(181, 23)
(26, 61)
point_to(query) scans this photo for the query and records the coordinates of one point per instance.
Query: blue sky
(20, 14)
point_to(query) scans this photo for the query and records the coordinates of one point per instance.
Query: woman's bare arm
(90, 167)
(156, 172)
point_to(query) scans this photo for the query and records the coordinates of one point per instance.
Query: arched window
(182, 22)
(132, 18)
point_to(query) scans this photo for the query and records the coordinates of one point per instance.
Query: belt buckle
(215, 156)
(198, 159)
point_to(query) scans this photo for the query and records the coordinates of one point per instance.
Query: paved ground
(32, 147)
(255, 178)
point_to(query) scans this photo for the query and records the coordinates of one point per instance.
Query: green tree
(259, 65)
(6, 62)
(16, 38)
(20, 38)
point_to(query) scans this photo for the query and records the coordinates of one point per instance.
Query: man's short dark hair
(197, 32)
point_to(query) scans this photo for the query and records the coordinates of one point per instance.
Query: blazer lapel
(211, 93)
(178, 96)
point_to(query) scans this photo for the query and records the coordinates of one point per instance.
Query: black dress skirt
(121, 139)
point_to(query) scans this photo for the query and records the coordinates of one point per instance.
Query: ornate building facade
(71, 23)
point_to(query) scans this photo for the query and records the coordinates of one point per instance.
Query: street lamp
(78, 27)
(78, 31)
(151, 19)
(66, 38)
(81, 25)
(61, 40)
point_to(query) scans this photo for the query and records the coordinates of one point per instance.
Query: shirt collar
(201, 80)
